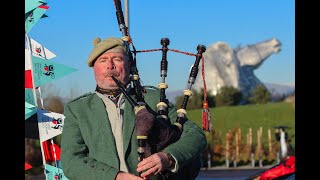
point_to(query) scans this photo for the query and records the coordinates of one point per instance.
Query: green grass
(250, 116)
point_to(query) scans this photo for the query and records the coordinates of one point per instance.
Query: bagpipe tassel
(206, 117)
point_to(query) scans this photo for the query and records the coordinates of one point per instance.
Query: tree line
(228, 96)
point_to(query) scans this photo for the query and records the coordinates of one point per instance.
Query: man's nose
(110, 64)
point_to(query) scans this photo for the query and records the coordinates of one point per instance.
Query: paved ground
(217, 173)
(228, 174)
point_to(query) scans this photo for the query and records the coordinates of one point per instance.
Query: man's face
(111, 64)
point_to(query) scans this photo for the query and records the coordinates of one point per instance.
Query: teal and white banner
(33, 16)
(46, 71)
(54, 173)
(29, 110)
(31, 5)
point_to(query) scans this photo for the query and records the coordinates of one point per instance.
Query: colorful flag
(45, 71)
(29, 97)
(40, 51)
(32, 17)
(28, 79)
(29, 110)
(27, 166)
(27, 68)
(44, 16)
(27, 59)
(31, 5)
(51, 154)
(43, 1)
(50, 124)
(54, 173)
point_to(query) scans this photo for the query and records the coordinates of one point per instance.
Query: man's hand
(153, 164)
(127, 176)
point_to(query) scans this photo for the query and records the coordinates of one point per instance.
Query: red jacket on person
(287, 167)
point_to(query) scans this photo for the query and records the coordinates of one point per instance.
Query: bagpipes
(154, 129)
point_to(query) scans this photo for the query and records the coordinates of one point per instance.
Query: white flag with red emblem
(50, 124)
(40, 51)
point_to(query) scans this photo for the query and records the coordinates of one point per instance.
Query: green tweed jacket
(88, 149)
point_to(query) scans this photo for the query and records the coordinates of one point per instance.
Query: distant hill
(274, 89)
(280, 88)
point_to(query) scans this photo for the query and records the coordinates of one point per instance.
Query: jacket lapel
(128, 125)
(100, 117)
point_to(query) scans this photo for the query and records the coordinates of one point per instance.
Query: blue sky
(71, 26)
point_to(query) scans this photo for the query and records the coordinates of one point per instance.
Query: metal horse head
(234, 67)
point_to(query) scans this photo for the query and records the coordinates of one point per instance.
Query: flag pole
(29, 47)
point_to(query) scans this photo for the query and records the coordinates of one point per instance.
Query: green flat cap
(110, 44)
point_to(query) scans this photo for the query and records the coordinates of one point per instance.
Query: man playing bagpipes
(103, 130)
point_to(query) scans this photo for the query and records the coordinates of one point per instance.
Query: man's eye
(118, 59)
